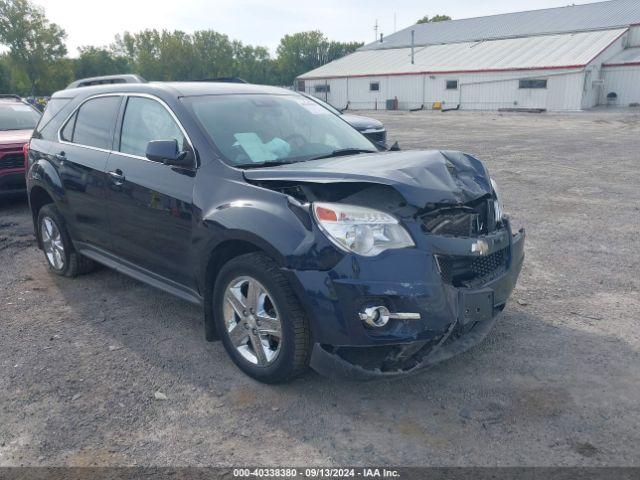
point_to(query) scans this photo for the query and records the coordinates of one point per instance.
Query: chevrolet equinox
(304, 243)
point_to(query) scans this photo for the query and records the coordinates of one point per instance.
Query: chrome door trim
(126, 95)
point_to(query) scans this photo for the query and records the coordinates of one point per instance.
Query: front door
(149, 203)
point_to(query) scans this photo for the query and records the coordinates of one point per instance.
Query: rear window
(18, 116)
(53, 108)
(93, 123)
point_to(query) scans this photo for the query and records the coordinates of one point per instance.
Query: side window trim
(74, 115)
(117, 144)
(116, 131)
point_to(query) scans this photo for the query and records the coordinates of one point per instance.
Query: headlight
(497, 203)
(360, 230)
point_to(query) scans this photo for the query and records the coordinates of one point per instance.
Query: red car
(17, 121)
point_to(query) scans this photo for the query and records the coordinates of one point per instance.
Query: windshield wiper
(268, 163)
(342, 152)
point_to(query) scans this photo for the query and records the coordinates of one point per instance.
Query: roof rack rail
(224, 80)
(106, 80)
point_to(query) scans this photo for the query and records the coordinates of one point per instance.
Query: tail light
(25, 151)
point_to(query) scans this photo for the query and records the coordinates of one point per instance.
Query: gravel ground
(556, 383)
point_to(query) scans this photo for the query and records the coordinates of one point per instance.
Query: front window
(261, 129)
(145, 120)
(18, 116)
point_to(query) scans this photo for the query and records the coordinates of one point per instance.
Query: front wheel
(262, 326)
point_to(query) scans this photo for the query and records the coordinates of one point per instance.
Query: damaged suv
(304, 244)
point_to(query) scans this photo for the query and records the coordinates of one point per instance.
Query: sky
(263, 22)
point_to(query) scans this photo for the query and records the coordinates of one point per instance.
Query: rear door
(150, 204)
(81, 157)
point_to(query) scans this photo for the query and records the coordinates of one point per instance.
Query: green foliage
(5, 74)
(434, 19)
(34, 43)
(304, 51)
(94, 61)
(37, 62)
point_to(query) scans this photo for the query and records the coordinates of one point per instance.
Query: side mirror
(167, 152)
(384, 147)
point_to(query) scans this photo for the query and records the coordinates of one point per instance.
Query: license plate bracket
(476, 306)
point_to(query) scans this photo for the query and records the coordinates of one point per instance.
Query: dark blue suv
(304, 244)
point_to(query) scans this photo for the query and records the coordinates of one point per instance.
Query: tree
(304, 51)
(95, 61)
(437, 18)
(5, 74)
(213, 53)
(34, 43)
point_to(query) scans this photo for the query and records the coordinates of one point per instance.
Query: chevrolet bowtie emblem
(480, 247)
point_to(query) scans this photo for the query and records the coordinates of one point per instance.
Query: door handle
(117, 177)
(60, 157)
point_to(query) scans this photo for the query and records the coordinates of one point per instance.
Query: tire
(62, 259)
(286, 356)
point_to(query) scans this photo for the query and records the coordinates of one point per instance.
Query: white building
(558, 59)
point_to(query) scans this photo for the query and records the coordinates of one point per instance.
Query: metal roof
(576, 18)
(630, 56)
(573, 50)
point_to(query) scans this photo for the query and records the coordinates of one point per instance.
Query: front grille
(377, 137)
(12, 160)
(461, 221)
(463, 271)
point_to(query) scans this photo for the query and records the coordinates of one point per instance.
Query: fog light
(380, 316)
(375, 316)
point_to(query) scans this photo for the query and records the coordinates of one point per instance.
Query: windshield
(326, 105)
(273, 129)
(17, 116)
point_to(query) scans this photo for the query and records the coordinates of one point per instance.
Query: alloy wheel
(252, 321)
(52, 243)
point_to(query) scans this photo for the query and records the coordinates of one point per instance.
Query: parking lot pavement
(557, 382)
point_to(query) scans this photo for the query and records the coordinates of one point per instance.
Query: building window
(374, 87)
(452, 84)
(301, 85)
(322, 88)
(533, 83)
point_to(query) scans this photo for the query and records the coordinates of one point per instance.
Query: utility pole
(375, 31)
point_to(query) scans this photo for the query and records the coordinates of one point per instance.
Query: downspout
(413, 46)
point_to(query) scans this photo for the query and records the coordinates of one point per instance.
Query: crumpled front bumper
(453, 319)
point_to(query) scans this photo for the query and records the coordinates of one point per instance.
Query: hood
(14, 136)
(362, 123)
(421, 177)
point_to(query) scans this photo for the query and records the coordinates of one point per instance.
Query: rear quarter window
(53, 108)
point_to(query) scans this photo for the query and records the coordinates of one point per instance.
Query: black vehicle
(304, 245)
(370, 127)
